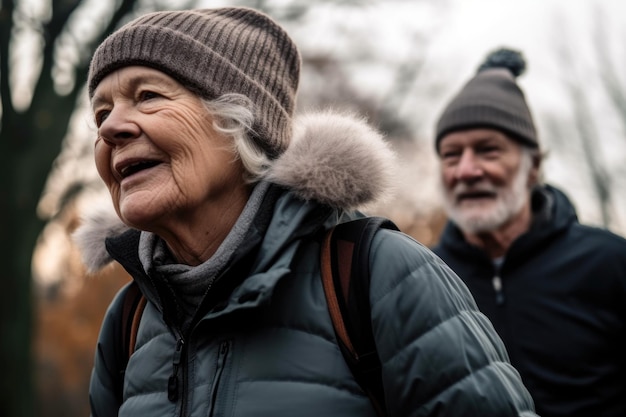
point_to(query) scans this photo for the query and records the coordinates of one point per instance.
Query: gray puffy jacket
(263, 342)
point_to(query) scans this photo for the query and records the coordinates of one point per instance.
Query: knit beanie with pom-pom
(492, 99)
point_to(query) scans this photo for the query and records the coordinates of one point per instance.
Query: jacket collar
(263, 258)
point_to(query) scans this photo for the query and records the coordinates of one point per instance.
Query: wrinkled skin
(167, 170)
(486, 179)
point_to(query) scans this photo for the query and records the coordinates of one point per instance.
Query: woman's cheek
(103, 161)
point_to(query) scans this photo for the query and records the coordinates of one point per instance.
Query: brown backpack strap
(329, 287)
(344, 263)
(133, 305)
(141, 305)
(132, 298)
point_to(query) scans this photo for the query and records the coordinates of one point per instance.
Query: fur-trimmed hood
(334, 158)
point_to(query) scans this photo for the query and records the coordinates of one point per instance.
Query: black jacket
(562, 307)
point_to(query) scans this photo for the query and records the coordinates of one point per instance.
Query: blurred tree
(583, 134)
(34, 124)
(611, 75)
(64, 344)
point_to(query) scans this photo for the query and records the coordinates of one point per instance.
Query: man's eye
(449, 154)
(488, 149)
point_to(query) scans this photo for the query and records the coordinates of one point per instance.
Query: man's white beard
(488, 216)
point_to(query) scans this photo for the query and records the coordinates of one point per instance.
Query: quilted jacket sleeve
(106, 377)
(440, 355)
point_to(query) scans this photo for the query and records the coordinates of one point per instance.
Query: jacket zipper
(496, 281)
(221, 362)
(173, 383)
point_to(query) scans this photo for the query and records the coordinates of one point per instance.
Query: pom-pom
(505, 58)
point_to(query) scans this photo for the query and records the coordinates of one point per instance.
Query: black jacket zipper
(179, 370)
(219, 369)
(496, 282)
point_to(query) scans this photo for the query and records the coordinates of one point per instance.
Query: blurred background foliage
(380, 58)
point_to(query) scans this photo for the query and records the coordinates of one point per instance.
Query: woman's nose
(119, 125)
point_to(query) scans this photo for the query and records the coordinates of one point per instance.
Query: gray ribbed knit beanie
(492, 99)
(213, 52)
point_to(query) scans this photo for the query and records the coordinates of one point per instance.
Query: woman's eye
(148, 95)
(100, 116)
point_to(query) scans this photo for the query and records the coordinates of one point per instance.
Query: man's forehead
(474, 136)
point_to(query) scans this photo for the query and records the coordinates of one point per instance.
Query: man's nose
(469, 167)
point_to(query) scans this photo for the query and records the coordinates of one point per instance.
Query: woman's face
(157, 151)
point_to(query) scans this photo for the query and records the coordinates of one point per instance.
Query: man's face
(486, 179)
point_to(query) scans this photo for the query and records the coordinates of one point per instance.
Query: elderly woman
(222, 198)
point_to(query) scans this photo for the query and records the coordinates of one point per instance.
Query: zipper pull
(497, 286)
(172, 383)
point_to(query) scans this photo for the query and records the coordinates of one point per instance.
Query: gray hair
(536, 157)
(234, 116)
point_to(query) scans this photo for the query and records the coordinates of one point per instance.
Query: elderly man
(554, 289)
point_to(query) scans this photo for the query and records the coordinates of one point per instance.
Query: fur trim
(337, 159)
(99, 224)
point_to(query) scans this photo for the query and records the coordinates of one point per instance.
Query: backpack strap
(133, 305)
(346, 279)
